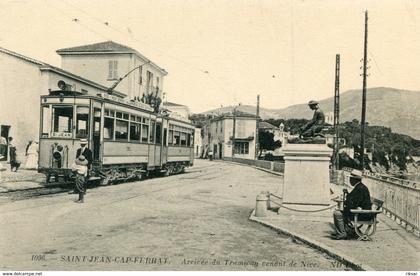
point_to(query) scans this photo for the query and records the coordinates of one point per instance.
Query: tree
(266, 141)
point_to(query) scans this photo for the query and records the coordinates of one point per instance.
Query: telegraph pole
(363, 121)
(234, 129)
(336, 111)
(257, 118)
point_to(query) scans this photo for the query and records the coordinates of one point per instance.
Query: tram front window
(62, 119)
(82, 121)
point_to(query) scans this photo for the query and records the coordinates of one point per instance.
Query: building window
(113, 69)
(241, 148)
(141, 75)
(149, 81)
(240, 132)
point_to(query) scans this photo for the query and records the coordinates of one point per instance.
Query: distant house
(106, 62)
(218, 136)
(177, 109)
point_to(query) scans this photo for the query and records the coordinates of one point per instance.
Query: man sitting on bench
(359, 197)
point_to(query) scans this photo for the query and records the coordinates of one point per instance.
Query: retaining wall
(268, 165)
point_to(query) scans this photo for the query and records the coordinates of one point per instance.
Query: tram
(128, 139)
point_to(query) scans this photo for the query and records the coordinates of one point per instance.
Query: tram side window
(109, 128)
(144, 133)
(134, 132)
(121, 130)
(82, 121)
(62, 118)
(170, 137)
(158, 133)
(188, 139)
(177, 141)
(46, 121)
(183, 139)
(152, 132)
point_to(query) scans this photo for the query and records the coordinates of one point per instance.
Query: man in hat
(87, 153)
(84, 150)
(314, 126)
(359, 197)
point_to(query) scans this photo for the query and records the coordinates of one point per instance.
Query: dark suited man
(87, 153)
(359, 197)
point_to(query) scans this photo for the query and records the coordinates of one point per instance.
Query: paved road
(193, 221)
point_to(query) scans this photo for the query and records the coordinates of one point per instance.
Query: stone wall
(268, 165)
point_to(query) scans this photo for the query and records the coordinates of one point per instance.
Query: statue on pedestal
(314, 127)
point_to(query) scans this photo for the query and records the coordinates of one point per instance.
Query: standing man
(359, 197)
(84, 150)
(87, 153)
(314, 126)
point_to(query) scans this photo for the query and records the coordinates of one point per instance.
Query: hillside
(394, 108)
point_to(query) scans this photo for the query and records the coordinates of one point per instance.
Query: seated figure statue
(314, 127)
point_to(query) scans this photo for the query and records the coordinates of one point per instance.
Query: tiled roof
(107, 46)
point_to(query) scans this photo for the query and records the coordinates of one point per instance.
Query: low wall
(401, 197)
(268, 165)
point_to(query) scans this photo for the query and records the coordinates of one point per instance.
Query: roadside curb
(348, 261)
(249, 166)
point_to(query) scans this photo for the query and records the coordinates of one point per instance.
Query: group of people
(31, 154)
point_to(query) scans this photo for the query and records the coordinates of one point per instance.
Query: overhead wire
(208, 74)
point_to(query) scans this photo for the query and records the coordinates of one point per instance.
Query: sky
(225, 52)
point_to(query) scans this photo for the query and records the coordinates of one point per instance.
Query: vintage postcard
(210, 135)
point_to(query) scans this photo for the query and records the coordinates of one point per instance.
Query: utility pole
(336, 112)
(257, 118)
(234, 129)
(363, 121)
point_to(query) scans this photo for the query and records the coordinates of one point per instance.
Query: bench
(365, 235)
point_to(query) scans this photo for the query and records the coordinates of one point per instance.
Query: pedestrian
(359, 197)
(80, 167)
(32, 156)
(14, 163)
(87, 153)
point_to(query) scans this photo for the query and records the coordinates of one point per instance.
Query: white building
(108, 61)
(22, 81)
(219, 136)
(198, 142)
(177, 109)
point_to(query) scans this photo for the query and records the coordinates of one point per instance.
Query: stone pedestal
(306, 176)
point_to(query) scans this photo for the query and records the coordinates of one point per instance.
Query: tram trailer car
(127, 139)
